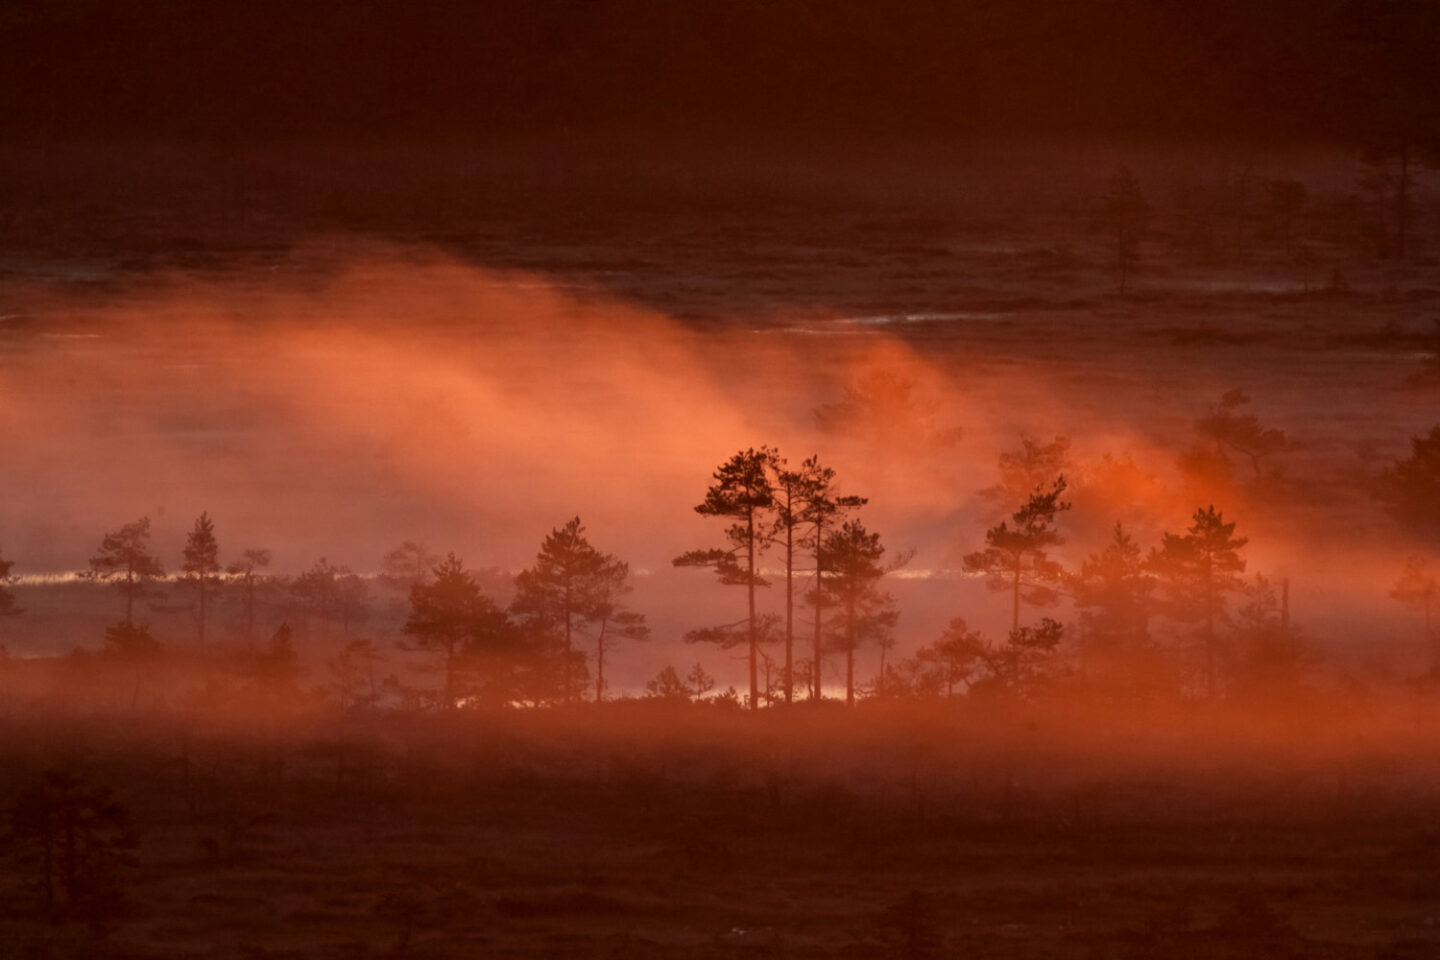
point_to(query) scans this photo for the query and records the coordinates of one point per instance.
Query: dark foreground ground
(641, 831)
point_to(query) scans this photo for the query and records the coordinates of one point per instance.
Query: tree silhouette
(953, 658)
(449, 616)
(887, 410)
(1419, 589)
(1123, 212)
(1269, 647)
(1028, 467)
(332, 593)
(1197, 571)
(201, 567)
(352, 673)
(821, 507)
(7, 598)
(742, 491)
(1410, 488)
(247, 571)
(125, 560)
(1115, 594)
(804, 503)
(1016, 558)
(850, 558)
(574, 588)
(1242, 432)
(408, 564)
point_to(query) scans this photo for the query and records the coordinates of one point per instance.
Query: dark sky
(443, 70)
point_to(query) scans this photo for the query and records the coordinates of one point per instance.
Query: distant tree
(1028, 655)
(247, 571)
(7, 598)
(201, 567)
(742, 492)
(698, 681)
(408, 564)
(954, 658)
(1017, 559)
(79, 836)
(667, 685)
(805, 501)
(332, 593)
(1197, 571)
(450, 617)
(851, 560)
(1410, 488)
(1392, 112)
(131, 647)
(1269, 646)
(352, 673)
(1115, 594)
(1123, 212)
(575, 589)
(822, 506)
(1028, 467)
(888, 410)
(132, 643)
(1419, 589)
(275, 668)
(125, 560)
(1242, 432)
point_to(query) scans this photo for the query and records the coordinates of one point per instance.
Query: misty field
(645, 830)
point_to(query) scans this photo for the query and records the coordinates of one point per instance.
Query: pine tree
(201, 568)
(573, 589)
(742, 491)
(822, 507)
(449, 616)
(1197, 571)
(1016, 558)
(125, 560)
(851, 559)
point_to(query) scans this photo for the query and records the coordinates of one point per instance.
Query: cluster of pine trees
(1179, 618)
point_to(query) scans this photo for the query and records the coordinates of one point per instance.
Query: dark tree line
(551, 642)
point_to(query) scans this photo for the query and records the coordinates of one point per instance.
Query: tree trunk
(750, 585)
(850, 654)
(819, 614)
(789, 605)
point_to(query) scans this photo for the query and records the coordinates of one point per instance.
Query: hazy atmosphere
(635, 479)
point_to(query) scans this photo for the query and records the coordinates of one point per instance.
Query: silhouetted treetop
(1410, 488)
